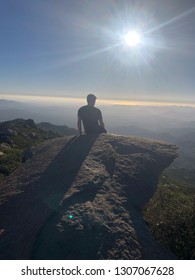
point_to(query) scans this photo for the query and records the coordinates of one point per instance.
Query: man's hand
(79, 126)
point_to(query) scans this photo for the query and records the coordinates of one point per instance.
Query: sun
(132, 38)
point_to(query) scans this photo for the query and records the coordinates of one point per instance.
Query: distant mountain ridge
(61, 129)
(11, 103)
(10, 110)
(153, 118)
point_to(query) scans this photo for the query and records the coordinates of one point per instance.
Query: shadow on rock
(59, 176)
(22, 216)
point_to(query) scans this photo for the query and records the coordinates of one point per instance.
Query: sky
(70, 48)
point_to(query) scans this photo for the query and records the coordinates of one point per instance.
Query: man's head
(91, 98)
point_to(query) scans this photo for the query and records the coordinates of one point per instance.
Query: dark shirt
(90, 117)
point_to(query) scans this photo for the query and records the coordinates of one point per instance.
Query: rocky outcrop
(82, 198)
(17, 137)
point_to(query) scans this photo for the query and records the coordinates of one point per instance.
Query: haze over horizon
(67, 49)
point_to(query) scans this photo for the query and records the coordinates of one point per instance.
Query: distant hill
(61, 129)
(9, 103)
(133, 130)
(62, 114)
(10, 110)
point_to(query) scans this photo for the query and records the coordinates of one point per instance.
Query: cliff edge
(82, 198)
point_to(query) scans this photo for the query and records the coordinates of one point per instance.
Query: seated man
(91, 117)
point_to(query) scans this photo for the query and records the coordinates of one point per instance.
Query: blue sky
(69, 48)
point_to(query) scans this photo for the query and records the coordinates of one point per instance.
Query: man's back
(90, 116)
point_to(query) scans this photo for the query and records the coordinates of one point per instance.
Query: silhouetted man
(91, 117)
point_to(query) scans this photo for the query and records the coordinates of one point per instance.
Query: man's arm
(79, 125)
(101, 122)
(100, 119)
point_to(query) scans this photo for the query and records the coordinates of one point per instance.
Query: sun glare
(132, 38)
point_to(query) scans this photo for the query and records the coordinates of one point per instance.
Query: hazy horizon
(48, 100)
(117, 117)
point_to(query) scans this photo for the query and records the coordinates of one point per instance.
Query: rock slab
(82, 198)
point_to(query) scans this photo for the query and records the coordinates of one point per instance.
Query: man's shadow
(61, 173)
(22, 216)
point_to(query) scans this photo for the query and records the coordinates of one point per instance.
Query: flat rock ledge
(82, 198)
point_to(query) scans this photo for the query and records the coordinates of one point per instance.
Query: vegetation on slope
(170, 214)
(16, 138)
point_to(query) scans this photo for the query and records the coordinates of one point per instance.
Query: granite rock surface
(82, 198)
